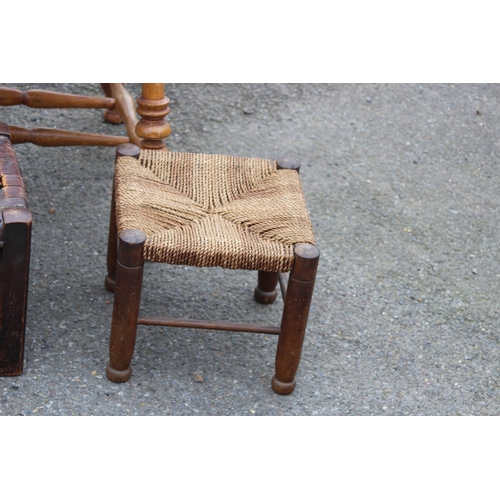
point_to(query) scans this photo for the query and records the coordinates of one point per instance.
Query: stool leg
(294, 321)
(110, 281)
(126, 305)
(265, 292)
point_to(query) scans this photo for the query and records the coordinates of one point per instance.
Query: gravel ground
(401, 181)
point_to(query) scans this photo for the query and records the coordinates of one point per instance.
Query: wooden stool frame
(125, 272)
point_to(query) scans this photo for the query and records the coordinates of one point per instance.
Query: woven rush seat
(212, 210)
(207, 210)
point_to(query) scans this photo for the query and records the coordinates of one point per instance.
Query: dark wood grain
(283, 281)
(265, 292)
(15, 246)
(14, 289)
(294, 320)
(210, 325)
(129, 271)
(112, 255)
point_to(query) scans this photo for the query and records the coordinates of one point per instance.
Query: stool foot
(265, 292)
(112, 117)
(118, 376)
(295, 313)
(110, 284)
(282, 388)
(264, 297)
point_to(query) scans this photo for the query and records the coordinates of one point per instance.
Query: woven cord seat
(207, 210)
(212, 210)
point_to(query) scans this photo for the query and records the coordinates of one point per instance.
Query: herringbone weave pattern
(212, 210)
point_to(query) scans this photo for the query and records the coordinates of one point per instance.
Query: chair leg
(294, 321)
(110, 281)
(265, 292)
(14, 271)
(129, 270)
(152, 106)
(110, 115)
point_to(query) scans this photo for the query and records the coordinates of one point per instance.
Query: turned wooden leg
(122, 150)
(265, 292)
(51, 137)
(153, 108)
(110, 115)
(295, 313)
(127, 301)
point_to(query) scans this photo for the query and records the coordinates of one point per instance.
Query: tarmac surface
(401, 182)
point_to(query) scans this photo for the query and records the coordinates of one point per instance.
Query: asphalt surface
(401, 182)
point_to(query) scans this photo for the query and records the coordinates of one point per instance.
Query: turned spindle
(46, 99)
(153, 108)
(51, 137)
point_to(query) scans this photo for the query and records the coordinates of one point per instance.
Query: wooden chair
(207, 210)
(15, 216)
(15, 244)
(118, 104)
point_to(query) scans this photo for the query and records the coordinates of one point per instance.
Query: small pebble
(52, 210)
(368, 99)
(248, 111)
(199, 379)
